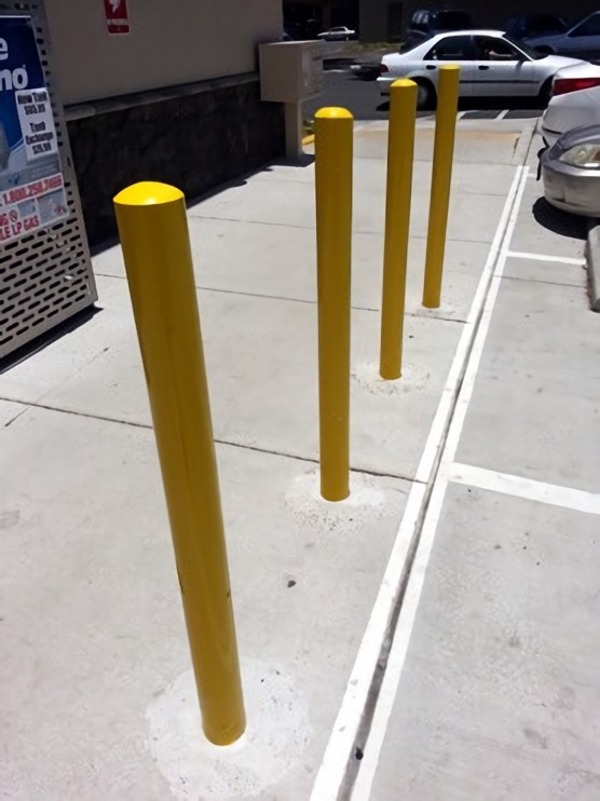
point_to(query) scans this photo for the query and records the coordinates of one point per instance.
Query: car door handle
(483, 67)
(431, 67)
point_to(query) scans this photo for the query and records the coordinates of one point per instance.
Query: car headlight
(587, 156)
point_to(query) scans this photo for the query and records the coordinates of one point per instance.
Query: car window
(419, 21)
(589, 27)
(491, 48)
(452, 48)
(452, 20)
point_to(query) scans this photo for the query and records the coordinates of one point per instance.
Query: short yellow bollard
(443, 156)
(333, 174)
(401, 146)
(156, 249)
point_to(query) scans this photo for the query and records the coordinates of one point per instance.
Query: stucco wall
(171, 42)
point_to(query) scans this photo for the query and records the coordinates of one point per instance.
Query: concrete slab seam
(592, 252)
(227, 443)
(402, 635)
(526, 488)
(333, 769)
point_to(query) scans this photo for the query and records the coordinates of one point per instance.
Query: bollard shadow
(560, 222)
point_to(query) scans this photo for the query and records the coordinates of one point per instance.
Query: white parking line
(527, 488)
(503, 114)
(397, 656)
(514, 254)
(344, 734)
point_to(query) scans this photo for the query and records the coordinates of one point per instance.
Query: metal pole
(156, 249)
(333, 170)
(401, 145)
(443, 156)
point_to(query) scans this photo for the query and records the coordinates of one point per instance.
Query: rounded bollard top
(402, 83)
(451, 67)
(148, 193)
(333, 113)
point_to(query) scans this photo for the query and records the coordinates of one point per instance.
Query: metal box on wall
(291, 71)
(45, 267)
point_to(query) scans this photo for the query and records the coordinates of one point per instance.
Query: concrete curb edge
(592, 252)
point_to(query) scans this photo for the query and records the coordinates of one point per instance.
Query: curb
(592, 252)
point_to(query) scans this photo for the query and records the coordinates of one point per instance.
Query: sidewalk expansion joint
(227, 443)
(542, 281)
(420, 313)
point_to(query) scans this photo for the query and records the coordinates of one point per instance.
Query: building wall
(177, 100)
(373, 20)
(171, 42)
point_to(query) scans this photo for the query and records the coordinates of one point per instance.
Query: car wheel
(426, 96)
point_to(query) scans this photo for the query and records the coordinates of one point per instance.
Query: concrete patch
(593, 266)
(274, 743)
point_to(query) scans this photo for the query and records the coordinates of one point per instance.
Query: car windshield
(452, 20)
(529, 51)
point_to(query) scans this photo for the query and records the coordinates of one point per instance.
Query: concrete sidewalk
(97, 695)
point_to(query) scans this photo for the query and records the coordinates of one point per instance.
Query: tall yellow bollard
(156, 249)
(333, 171)
(401, 146)
(443, 156)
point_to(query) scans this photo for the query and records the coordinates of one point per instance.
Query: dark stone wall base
(194, 142)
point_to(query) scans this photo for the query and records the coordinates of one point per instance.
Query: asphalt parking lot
(362, 98)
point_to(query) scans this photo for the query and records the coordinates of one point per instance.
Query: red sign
(117, 18)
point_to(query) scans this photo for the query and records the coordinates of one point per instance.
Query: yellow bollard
(443, 156)
(333, 174)
(154, 235)
(401, 146)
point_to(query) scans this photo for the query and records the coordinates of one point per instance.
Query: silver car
(571, 172)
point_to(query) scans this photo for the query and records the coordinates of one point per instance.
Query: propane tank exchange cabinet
(45, 267)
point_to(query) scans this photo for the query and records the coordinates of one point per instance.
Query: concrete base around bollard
(593, 265)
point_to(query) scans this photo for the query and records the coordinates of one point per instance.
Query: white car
(575, 102)
(492, 65)
(339, 34)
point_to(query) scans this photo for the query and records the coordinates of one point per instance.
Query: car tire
(426, 97)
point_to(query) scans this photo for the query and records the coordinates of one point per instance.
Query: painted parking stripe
(514, 254)
(343, 738)
(401, 638)
(526, 488)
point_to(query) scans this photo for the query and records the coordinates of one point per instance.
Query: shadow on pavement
(560, 222)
